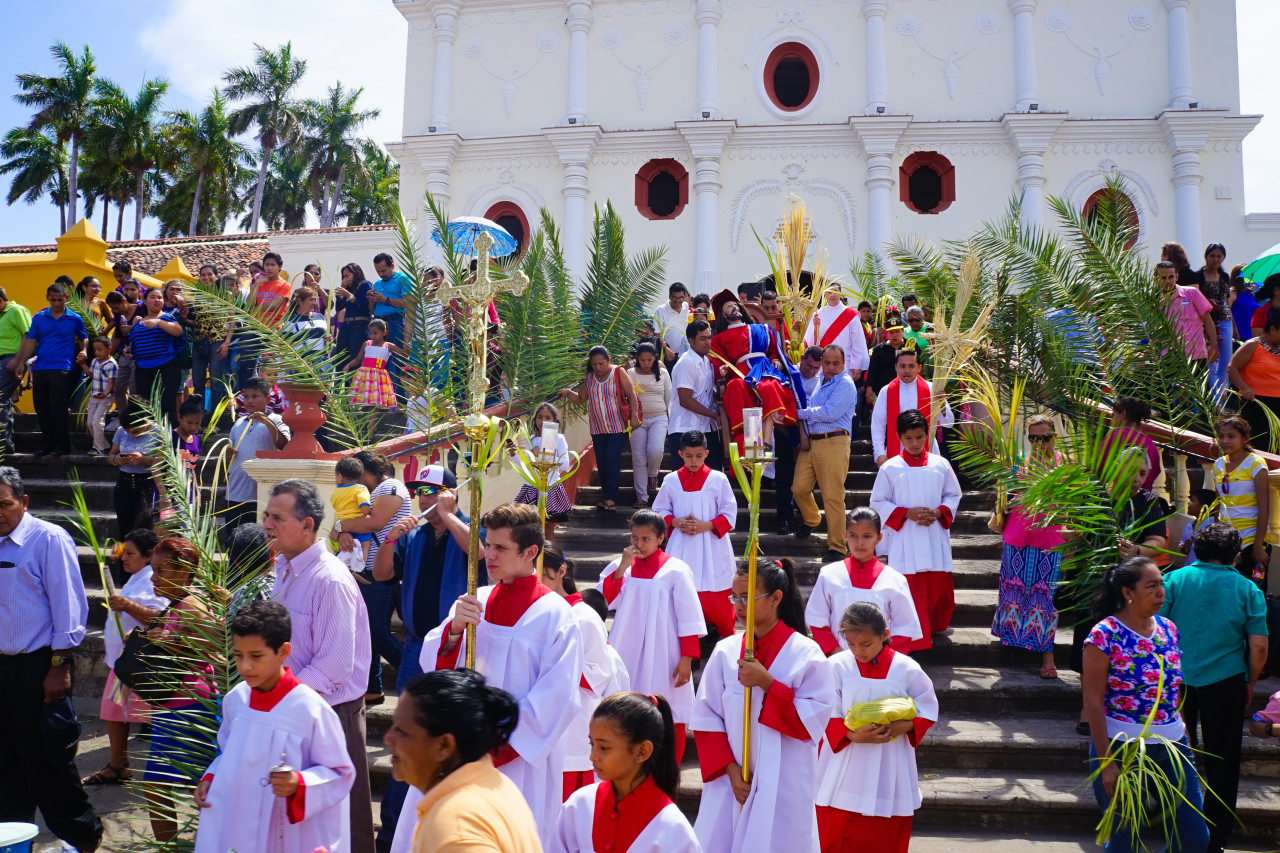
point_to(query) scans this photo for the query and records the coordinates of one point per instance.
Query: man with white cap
(429, 558)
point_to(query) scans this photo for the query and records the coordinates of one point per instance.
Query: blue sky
(362, 43)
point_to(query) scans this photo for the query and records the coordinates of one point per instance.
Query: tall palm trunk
(139, 206)
(195, 205)
(73, 183)
(336, 194)
(262, 183)
(62, 216)
(324, 204)
(106, 208)
(119, 217)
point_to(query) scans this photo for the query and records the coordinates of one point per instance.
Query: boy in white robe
(273, 720)
(916, 494)
(657, 621)
(528, 643)
(700, 510)
(908, 391)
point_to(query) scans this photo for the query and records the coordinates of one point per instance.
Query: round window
(791, 76)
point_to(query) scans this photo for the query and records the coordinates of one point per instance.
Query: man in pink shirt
(1190, 312)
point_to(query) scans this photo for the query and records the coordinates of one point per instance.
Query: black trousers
(8, 392)
(784, 472)
(50, 390)
(169, 376)
(132, 498)
(1219, 710)
(38, 754)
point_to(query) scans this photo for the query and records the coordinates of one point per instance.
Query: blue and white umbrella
(463, 230)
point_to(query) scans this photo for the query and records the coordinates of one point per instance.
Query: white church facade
(697, 119)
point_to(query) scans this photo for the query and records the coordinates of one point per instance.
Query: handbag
(995, 521)
(142, 665)
(624, 402)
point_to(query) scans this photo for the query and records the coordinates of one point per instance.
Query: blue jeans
(393, 795)
(608, 447)
(205, 360)
(379, 597)
(1218, 366)
(1190, 834)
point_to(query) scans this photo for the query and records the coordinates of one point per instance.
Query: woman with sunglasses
(1026, 617)
(1240, 480)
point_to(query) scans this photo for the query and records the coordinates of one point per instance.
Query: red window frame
(789, 50)
(647, 173)
(932, 160)
(510, 208)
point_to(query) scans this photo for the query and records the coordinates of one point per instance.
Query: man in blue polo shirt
(430, 561)
(55, 336)
(389, 300)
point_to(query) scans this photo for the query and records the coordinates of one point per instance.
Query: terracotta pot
(303, 416)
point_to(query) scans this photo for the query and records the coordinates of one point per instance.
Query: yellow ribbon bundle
(881, 712)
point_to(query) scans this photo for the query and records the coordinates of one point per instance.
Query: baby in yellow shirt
(351, 500)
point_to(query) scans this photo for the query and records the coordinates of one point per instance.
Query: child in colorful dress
(867, 786)
(657, 620)
(558, 505)
(372, 383)
(351, 499)
(276, 403)
(791, 700)
(916, 494)
(861, 577)
(632, 810)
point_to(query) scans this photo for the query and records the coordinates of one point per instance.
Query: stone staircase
(1004, 758)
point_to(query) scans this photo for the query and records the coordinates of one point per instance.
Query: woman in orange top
(1255, 371)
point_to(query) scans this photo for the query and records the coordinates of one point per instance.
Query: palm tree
(63, 104)
(128, 130)
(373, 200)
(268, 85)
(333, 153)
(203, 144)
(38, 165)
(286, 195)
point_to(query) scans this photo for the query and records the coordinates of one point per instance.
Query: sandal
(118, 776)
(610, 506)
(639, 504)
(1082, 728)
(1048, 671)
(601, 507)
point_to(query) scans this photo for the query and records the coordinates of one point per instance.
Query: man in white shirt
(693, 405)
(837, 323)
(673, 319)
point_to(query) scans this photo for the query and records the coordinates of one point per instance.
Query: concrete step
(589, 496)
(587, 517)
(98, 494)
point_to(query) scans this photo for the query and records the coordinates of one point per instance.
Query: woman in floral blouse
(1132, 674)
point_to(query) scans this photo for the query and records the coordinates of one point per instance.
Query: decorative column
(574, 146)
(432, 157)
(578, 22)
(1024, 54)
(1030, 134)
(707, 16)
(1187, 134)
(706, 140)
(445, 19)
(878, 136)
(877, 75)
(1180, 96)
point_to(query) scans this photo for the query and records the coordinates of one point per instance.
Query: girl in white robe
(632, 808)
(657, 620)
(700, 510)
(916, 494)
(860, 577)
(603, 672)
(269, 719)
(791, 700)
(528, 643)
(867, 785)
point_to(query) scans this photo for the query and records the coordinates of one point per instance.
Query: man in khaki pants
(826, 462)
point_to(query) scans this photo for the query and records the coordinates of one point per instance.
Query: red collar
(863, 575)
(265, 700)
(878, 668)
(768, 646)
(915, 461)
(646, 568)
(616, 825)
(573, 598)
(692, 482)
(509, 601)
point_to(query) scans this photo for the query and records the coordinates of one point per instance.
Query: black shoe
(833, 556)
(784, 528)
(44, 451)
(803, 530)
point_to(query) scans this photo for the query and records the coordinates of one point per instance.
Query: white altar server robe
(243, 815)
(902, 484)
(875, 779)
(835, 590)
(667, 829)
(604, 674)
(850, 338)
(707, 497)
(779, 812)
(908, 398)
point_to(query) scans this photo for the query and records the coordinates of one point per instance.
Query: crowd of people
(524, 723)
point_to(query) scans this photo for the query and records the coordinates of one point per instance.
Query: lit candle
(751, 419)
(550, 432)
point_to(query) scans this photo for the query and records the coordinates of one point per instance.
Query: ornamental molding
(805, 154)
(506, 188)
(638, 158)
(505, 164)
(1135, 187)
(611, 38)
(958, 149)
(987, 23)
(1262, 222)
(1140, 19)
(486, 14)
(791, 183)
(475, 48)
(1108, 148)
